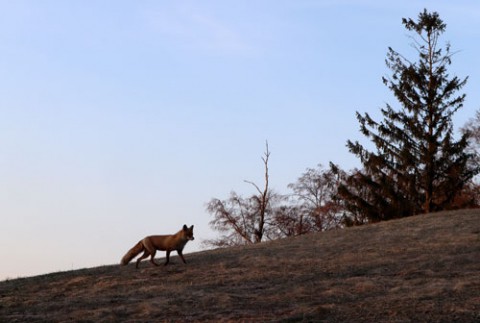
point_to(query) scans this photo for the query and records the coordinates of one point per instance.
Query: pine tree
(418, 166)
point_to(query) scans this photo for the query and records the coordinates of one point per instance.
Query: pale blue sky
(120, 119)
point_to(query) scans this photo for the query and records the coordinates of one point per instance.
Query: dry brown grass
(420, 269)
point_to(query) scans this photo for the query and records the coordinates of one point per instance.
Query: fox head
(188, 232)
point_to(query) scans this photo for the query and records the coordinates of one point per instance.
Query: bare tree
(243, 220)
(313, 206)
(471, 193)
(472, 129)
(291, 220)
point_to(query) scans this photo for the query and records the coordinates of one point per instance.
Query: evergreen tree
(418, 166)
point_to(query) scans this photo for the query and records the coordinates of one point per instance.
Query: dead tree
(242, 220)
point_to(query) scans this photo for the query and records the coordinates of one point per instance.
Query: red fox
(149, 245)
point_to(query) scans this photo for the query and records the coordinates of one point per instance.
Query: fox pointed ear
(185, 227)
(191, 228)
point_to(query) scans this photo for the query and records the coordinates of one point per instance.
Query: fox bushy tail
(132, 253)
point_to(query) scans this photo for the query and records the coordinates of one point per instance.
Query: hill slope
(423, 268)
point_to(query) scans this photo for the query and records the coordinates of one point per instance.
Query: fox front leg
(168, 257)
(181, 256)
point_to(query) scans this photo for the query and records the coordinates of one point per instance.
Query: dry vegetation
(418, 269)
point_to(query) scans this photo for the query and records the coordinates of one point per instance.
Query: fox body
(149, 245)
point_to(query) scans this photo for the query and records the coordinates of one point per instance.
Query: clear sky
(120, 119)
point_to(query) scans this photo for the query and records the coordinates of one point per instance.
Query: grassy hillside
(418, 269)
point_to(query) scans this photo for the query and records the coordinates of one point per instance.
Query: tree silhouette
(243, 220)
(417, 166)
(312, 206)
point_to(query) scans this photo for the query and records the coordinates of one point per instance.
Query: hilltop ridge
(417, 269)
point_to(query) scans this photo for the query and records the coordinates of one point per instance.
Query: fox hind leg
(150, 248)
(145, 255)
(152, 253)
